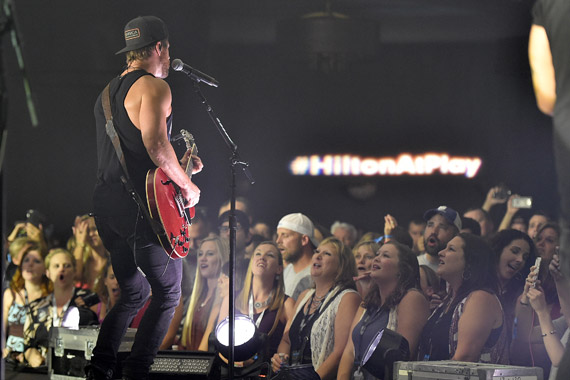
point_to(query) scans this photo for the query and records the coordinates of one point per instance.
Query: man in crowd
(243, 235)
(483, 218)
(443, 224)
(345, 232)
(296, 241)
(416, 229)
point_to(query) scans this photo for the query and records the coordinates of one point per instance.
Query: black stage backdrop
(446, 77)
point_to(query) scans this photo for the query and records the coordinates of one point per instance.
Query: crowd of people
(451, 285)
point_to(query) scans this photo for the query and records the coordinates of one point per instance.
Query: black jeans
(163, 277)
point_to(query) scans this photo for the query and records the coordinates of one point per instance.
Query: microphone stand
(9, 25)
(235, 161)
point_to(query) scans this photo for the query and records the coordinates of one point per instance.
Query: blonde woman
(58, 309)
(364, 253)
(263, 297)
(209, 290)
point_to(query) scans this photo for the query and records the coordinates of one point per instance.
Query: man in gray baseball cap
(296, 241)
(443, 224)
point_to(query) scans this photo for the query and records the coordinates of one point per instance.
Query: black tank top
(110, 197)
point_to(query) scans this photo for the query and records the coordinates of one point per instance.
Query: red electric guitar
(166, 205)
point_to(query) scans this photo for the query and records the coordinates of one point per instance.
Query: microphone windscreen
(177, 65)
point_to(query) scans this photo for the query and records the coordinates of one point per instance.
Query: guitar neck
(190, 164)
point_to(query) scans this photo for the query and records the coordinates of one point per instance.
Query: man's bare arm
(542, 69)
(154, 109)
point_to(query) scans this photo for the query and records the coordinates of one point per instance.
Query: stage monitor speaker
(178, 364)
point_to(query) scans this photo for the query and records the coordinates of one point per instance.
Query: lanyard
(58, 319)
(308, 317)
(368, 319)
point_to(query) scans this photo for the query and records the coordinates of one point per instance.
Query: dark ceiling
(448, 75)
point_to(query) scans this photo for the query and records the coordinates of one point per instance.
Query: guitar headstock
(189, 140)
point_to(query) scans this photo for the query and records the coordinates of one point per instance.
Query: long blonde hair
(200, 285)
(278, 288)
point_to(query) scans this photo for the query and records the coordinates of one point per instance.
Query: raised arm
(551, 340)
(511, 211)
(542, 69)
(491, 200)
(562, 287)
(80, 230)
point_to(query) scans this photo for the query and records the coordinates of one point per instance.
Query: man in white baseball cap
(296, 241)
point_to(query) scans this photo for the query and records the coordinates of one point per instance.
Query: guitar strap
(157, 227)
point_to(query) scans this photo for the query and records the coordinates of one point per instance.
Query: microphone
(195, 75)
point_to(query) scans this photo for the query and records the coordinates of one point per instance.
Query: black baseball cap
(241, 218)
(143, 31)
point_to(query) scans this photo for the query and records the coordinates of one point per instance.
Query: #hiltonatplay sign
(405, 164)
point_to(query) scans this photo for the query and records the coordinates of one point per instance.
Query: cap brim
(429, 213)
(124, 50)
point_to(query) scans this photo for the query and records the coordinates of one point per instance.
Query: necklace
(259, 305)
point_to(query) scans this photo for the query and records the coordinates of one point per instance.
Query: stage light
(247, 339)
(384, 350)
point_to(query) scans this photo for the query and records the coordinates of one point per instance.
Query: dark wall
(462, 96)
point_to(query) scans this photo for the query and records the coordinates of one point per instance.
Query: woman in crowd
(469, 323)
(28, 284)
(263, 297)
(319, 330)
(364, 253)
(394, 302)
(58, 309)
(536, 221)
(553, 334)
(535, 352)
(514, 254)
(88, 250)
(207, 294)
(547, 240)
(108, 290)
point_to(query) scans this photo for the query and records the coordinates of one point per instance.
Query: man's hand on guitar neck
(197, 164)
